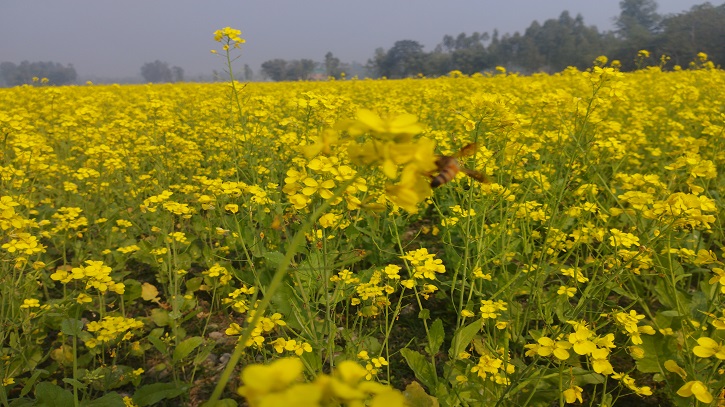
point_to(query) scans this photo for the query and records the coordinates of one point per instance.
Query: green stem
(75, 360)
(274, 285)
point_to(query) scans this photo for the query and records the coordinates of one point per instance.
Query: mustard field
(279, 244)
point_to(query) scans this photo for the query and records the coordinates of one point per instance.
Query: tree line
(567, 41)
(550, 46)
(18, 74)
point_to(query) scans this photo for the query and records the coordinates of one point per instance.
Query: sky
(114, 38)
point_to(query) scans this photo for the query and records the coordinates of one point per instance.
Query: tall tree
(404, 59)
(156, 72)
(466, 53)
(638, 19)
(300, 69)
(248, 73)
(332, 65)
(282, 70)
(376, 65)
(275, 69)
(637, 28)
(177, 74)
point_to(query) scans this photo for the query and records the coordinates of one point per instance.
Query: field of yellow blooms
(274, 243)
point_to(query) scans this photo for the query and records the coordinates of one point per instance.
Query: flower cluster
(494, 367)
(95, 274)
(629, 324)
(229, 37)
(584, 342)
(265, 326)
(110, 328)
(24, 244)
(70, 219)
(425, 265)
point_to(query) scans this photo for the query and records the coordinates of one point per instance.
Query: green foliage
(160, 72)
(151, 394)
(23, 73)
(700, 30)
(553, 45)
(283, 70)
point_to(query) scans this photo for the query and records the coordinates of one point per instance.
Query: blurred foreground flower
(280, 384)
(400, 157)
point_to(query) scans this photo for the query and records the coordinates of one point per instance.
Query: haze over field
(112, 39)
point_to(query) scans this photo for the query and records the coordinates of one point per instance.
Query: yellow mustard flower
(696, 388)
(573, 394)
(707, 347)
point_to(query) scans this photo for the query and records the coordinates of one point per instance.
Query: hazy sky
(113, 38)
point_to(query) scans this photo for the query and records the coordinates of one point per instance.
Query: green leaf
(153, 393)
(274, 259)
(111, 377)
(22, 403)
(132, 290)
(699, 304)
(112, 399)
(75, 383)
(421, 367)
(193, 284)
(203, 354)
(220, 403)
(160, 316)
(657, 350)
(587, 377)
(663, 290)
(31, 381)
(153, 337)
(186, 347)
(71, 327)
(463, 337)
(424, 314)
(416, 396)
(436, 336)
(51, 395)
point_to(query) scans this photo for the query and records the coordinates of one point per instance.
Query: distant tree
(406, 58)
(565, 41)
(332, 65)
(275, 69)
(248, 73)
(300, 69)
(282, 70)
(637, 26)
(562, 42)
(702, 29)
(7, 73)
(177, 74)
(56, 73)
(438, 62)
(510, 50)
(374, 66)
(156, 72)
(467, 54)
(638, 19)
